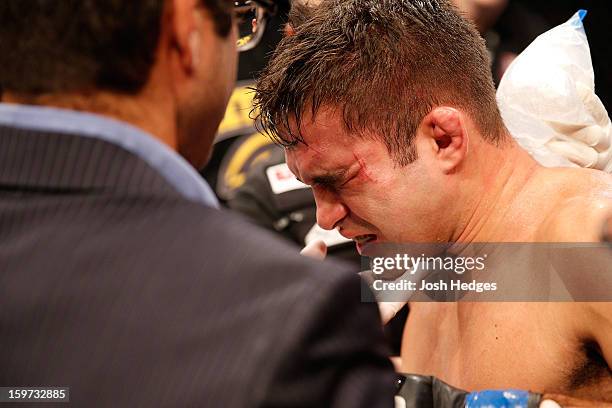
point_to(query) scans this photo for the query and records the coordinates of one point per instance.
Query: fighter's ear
(444, 137)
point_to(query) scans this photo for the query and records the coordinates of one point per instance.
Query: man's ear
(444, 138)
(185, 34)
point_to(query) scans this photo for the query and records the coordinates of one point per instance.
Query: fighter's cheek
(366, 212)
(381, 181)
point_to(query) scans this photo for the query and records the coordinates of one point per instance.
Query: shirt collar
(177, 172)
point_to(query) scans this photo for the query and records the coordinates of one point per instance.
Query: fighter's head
(374, 100)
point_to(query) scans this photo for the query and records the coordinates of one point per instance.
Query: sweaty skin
(464, 189)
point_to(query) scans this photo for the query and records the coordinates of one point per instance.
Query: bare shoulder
(583, 204)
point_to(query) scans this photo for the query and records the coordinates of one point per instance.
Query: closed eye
(332, 185)
(327, 182)
(324, 186)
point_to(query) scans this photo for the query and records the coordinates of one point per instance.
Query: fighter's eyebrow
(331, 179)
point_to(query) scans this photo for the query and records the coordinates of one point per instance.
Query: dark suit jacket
(114, 285)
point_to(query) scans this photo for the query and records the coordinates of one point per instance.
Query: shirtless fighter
(387, 109)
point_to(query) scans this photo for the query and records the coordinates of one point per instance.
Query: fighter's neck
(497, 197)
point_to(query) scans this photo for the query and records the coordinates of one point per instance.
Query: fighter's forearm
(570, 402)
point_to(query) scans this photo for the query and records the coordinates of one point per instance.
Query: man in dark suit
(118, 276)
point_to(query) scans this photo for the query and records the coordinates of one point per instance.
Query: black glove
(429, 392)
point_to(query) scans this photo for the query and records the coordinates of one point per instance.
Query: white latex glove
(400, 402)
(315, 249)
(318, 250)
(388, 310)
(585, 146)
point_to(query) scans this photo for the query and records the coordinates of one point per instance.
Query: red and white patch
(282, 179)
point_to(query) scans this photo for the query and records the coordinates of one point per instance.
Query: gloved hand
(315, 250)
(585, 146)
(419, 391)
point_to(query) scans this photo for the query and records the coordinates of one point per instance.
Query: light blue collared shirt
(180, 174)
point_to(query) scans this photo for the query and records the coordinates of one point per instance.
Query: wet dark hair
(384, 64)
(50, 46)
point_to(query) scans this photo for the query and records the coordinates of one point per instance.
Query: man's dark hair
(385, 64)
(51, 46)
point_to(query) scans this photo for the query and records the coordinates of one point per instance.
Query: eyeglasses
(251, 18)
